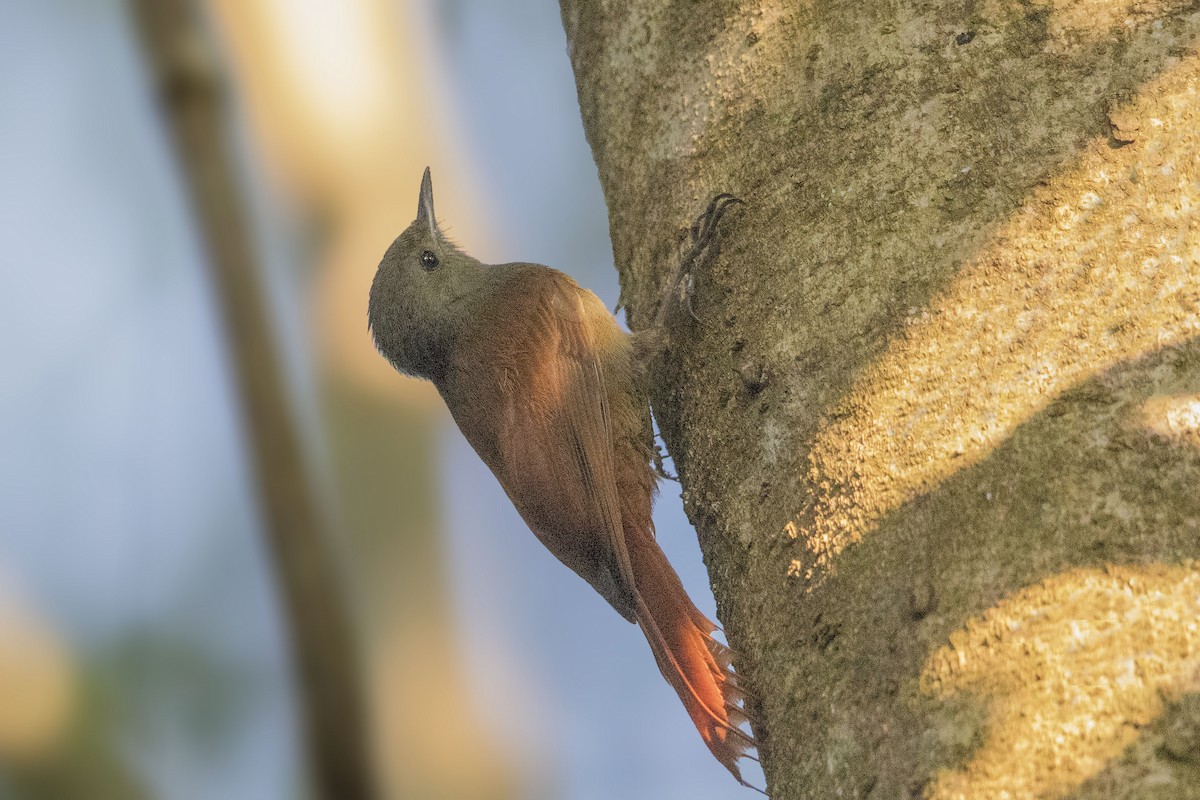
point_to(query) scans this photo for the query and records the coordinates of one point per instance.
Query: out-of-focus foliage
(37, 684)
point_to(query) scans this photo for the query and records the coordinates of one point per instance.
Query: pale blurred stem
(324, 648)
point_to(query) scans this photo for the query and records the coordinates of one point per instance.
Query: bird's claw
(705, 225)
(687, 285)
(660, 467)
(701, 235)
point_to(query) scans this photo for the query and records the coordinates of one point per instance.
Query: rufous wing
(553, 451)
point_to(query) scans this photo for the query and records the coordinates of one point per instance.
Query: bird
(553, 396)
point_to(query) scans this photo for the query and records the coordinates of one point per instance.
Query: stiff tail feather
(698, 667)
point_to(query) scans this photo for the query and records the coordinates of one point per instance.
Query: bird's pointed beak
(425, 206)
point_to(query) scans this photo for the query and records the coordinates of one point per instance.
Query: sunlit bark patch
(1073, 23)
(1068, 670)
(1095, 270)
(1174, 417)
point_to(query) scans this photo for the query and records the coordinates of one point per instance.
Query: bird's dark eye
(429, 260)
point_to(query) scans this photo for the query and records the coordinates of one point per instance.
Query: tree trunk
(938, 424)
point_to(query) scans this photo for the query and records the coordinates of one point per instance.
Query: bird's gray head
(422, 294)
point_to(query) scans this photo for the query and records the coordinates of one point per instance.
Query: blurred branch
(324, 648)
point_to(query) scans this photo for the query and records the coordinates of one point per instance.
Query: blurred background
(142, 649)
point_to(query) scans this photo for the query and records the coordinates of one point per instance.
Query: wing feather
(554, 453)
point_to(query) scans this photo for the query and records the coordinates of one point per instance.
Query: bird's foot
(659, 465)
(701, 237)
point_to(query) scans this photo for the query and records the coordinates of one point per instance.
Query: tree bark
(938, 424)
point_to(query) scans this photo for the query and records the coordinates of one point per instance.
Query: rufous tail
(698, 666)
